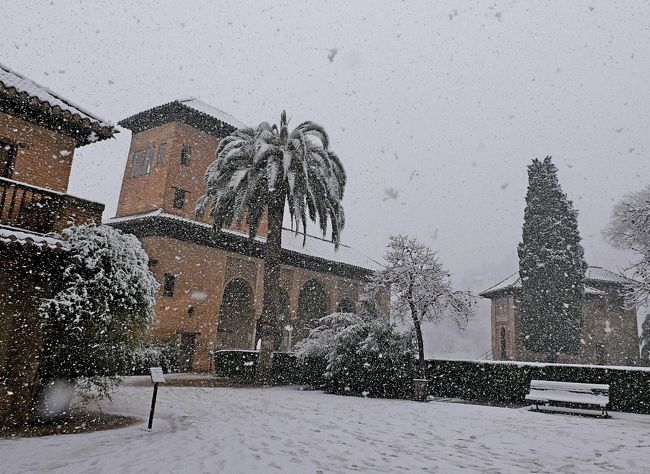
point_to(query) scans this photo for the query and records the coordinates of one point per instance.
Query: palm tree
(265, 169)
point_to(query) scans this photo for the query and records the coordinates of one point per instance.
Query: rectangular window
(7, 160)
(161, 153)
(186, 151)
(169, 284)
(148, 158)
(137, 164)
(179, 198)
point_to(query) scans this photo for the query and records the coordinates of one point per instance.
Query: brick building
(211, 285)
(39, 132)
(609, 332)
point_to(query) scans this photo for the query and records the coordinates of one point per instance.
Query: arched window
(502, 340)
(236, 321)
(312, 305)
(346, 305)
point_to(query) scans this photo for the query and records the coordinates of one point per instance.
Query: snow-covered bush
(323, 339)
(104, 307)
(366, 355)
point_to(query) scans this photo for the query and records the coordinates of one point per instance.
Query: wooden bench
(551, 392)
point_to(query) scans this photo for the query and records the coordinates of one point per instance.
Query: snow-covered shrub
(322, 340)
(365, 355)
(104, 307)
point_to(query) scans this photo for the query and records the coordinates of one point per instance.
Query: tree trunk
(418, 333)
(421, 362)
(272, 259)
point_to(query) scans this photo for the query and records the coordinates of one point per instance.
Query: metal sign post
(156, 377)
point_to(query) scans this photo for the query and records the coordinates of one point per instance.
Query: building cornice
(200, 234)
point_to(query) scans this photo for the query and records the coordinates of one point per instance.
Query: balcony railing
(41, 210)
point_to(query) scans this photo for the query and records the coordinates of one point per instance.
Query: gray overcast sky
(434, 108)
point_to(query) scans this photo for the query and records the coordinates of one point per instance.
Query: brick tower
(171, 147)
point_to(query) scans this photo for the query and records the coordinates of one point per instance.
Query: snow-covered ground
(247, 430)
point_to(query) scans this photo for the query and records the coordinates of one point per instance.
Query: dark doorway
(186, 350)
(312, 305)
(236, 322)
(601, 354)
(504, 348)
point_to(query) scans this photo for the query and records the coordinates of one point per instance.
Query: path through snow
(242, 430)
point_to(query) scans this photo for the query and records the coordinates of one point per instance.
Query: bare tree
(420, 288)
(630, 229)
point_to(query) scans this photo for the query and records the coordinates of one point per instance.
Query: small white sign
(157, 375)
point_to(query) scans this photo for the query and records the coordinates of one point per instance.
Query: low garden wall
(489, 382)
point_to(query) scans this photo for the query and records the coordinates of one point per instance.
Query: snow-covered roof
(201, 106)
(313, 247)
(12, 80)
(192, 112)
(10, 235)
(592, 275)
(602, 274)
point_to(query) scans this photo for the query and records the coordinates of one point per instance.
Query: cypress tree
(551, 265)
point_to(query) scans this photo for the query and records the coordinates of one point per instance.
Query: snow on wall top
(314, 246)
(11, 235)
(593, 275)
(201, 106)
(12, 79)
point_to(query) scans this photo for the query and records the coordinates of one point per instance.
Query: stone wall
(21, 292)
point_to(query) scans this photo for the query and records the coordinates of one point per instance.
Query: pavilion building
(609, 334)
(212, 283)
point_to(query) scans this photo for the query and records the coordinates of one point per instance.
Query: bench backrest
(591, 388)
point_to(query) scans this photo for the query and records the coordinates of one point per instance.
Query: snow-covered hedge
(345, 354)
(508, 382)
(288, 369)
(489, 382)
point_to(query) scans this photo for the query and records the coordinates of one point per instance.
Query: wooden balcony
(41, 210)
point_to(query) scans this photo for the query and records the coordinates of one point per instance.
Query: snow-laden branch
(629, 228)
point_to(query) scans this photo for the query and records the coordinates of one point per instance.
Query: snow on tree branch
(420, 286)
(630, 229)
